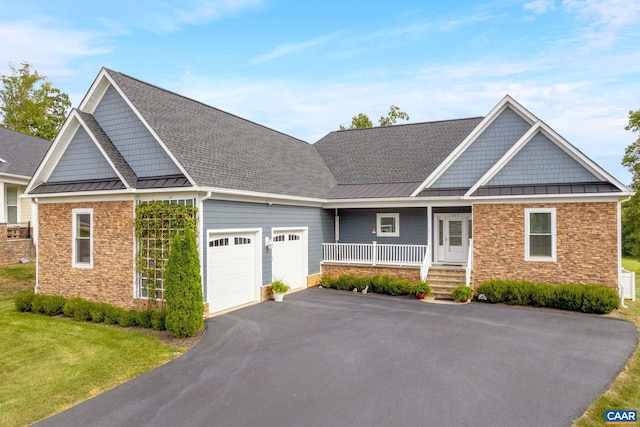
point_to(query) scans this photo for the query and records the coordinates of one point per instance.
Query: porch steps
(443, 279)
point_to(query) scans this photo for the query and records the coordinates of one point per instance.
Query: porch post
(374, 252)
(430, 232)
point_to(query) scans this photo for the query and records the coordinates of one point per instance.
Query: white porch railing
(627, 285)
(469, 267)
(374, 253)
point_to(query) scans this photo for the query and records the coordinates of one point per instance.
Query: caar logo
(627, 417)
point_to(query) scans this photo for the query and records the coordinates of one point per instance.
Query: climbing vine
(156, 223)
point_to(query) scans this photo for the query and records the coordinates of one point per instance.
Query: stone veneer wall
(586, 244)
(111, 278)
(335, 270)
(13, 250)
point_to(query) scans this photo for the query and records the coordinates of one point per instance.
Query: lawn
(49, 364)
(624, 393)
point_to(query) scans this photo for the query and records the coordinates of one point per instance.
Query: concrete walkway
(331, 358)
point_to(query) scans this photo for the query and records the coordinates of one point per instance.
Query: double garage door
(234, 275)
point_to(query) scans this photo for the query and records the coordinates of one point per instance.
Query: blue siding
(542, 162)
(136, 144)
(219, 214)
(82, 160)
(485, 151)
(356, 226)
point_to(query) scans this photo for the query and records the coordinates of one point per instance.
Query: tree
(631, 208)
(183, 287)
(362, 121)
(30, 104)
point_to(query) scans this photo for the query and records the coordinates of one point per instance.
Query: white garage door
(288, 258)
(231, 270)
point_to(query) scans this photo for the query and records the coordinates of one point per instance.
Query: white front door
(452, 237)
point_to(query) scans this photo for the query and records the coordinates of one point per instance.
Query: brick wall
(13, 250)
(333, 270)
(111, 278)
(586, 244)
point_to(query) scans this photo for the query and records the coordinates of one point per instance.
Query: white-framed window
(12, 205)
(540, 234)
(388, 224)
(82, 238)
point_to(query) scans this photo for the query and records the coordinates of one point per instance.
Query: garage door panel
(287, 258)
(231, 275)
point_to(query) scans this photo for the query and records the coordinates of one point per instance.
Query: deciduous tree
(29, 103)
(362, 121)
(631, 208)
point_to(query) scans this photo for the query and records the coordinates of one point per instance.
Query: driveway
(332, 358)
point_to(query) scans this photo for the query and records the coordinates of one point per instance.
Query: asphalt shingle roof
(393, 154)
(218, 149)
(22, 153)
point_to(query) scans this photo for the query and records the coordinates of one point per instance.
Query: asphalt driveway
(330, 358)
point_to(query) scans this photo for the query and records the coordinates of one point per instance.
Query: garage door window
(219, 242)
(242, 241)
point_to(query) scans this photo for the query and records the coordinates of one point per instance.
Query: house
(20, 155)
(500, 196)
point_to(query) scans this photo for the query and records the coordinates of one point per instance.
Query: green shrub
(110, 314)
(158, 319)
(574, 297)
(24, 300)
(70, 305)
(50, 305)
(378, 284)
(143, 318)
(125, 317)
(183, 287)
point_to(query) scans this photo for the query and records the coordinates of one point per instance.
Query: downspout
(35, 240)
(201, 243)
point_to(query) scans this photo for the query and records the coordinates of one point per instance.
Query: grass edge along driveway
(50, 364)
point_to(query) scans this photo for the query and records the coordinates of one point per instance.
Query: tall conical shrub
(183, 287)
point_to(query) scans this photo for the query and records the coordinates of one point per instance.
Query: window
(82, 238)
(540, 231)
(388, 224)
(12, 205)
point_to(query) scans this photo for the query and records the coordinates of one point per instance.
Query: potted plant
(462, 293)
(279, 289)
(422, 289)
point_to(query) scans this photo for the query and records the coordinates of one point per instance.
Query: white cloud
(540, 7)
(290, 48)
(46, 45)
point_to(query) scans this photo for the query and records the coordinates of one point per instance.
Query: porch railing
(374, 253)
(426, 264)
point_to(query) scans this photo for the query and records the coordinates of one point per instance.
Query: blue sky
(305, 67)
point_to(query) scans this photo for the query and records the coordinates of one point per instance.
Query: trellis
(156, 223)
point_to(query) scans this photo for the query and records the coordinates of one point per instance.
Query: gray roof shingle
(393, 154)
(22, 153)
(218, 149)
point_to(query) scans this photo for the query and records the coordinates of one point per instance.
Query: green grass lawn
(49, 364)
(624, 393)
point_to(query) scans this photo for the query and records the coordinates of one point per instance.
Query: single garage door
(288, 258)
(231, 270)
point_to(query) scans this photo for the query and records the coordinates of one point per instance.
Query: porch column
(430, 232)
(3, 204)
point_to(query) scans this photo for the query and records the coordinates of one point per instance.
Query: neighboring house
(502, 196)
(20, 155)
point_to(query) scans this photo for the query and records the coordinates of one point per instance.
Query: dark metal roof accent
(114, 155)
(22, 153)
(163, 182)
(359, 191)
(218, 149)
(546, 189)
(443, 192)
(392, 154)
(71, 187)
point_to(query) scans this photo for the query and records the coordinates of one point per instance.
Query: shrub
(158, 319)
(110, 314)
(126, 318)
(50, 305)
(24, 300)
(574, 297)
(143, 318)
(69, 308)
(183, 287)
(377, 284)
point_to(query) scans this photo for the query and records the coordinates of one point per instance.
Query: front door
(452, 237)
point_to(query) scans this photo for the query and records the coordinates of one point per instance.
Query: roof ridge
(206, 105)
(410, 124)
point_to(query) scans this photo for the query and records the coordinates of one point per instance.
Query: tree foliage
(183, 287)
(631, 209)
(30, 104)
(362, 121)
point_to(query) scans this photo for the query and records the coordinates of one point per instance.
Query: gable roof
(21, 153)
(220, 150)
(363, 160)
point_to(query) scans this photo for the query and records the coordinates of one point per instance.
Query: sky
(305, 67)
